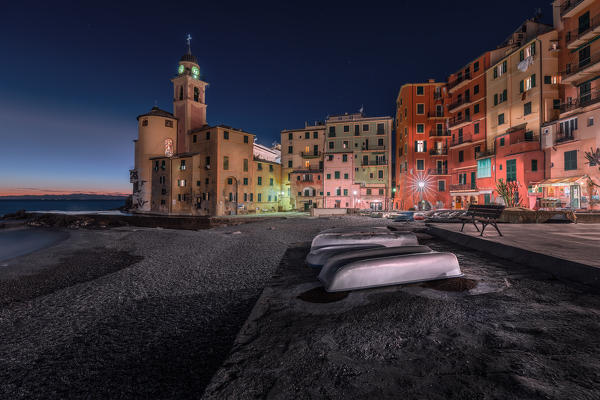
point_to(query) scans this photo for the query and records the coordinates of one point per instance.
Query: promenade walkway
(570, 251)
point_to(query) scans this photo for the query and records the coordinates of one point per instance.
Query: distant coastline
(60, 203)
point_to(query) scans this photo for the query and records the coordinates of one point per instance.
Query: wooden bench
(487, 214)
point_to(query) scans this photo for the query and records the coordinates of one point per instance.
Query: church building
(184, 166)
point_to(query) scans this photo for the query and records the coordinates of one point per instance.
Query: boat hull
(353, 270)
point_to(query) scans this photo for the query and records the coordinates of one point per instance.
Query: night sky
(75, 76)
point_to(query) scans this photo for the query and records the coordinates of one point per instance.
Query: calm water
(10, 206)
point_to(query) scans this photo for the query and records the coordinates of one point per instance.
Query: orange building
(422, 142)
(467, 124)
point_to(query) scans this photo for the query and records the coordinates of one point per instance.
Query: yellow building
(522, 87)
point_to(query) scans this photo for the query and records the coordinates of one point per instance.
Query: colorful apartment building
(522, 95)
(302, 166)
(341, 163)
(467, 123)
(570, 178)
(422, 141)
(357, 161)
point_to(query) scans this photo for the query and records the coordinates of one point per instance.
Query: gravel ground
(136, 313)
(513, 333)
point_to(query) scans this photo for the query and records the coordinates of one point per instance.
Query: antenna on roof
(537, 14)
(188, 40)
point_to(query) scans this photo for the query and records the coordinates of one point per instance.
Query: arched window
(180, 92)
(196, 94)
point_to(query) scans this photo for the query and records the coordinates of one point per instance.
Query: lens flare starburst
(420, 183)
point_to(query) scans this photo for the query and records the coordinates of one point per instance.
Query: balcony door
(585, 93)
(440, 167)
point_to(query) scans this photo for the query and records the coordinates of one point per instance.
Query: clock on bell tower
(189, 102)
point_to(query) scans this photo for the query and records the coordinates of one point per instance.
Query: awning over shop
(561, 181)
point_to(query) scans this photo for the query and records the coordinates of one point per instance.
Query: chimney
(431, 80)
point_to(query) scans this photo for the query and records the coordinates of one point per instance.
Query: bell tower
(189, 102)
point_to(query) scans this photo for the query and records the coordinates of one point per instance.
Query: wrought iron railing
(583, 30)
(439, 152)
(582, 101)
(456, 120)
(438, 171)
(568, 5)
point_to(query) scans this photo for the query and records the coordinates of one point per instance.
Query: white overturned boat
(385, 238)
(363, 269)
(319, 257)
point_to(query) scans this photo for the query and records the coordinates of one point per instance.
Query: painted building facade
(422, 142)
(571, 181)
(343, 162)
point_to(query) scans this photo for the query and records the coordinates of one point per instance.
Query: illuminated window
(307, 164)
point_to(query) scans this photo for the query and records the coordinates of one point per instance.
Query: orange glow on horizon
(41, 192)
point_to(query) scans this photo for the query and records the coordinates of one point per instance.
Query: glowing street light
(421, 185)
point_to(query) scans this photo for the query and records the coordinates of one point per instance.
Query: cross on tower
(188, 39)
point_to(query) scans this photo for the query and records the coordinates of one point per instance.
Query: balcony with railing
(460, 103)
(461, 139)
(459, 82)
(585, 100)
(463, 187)
(436, 114)
(458, 122)
(484, 154)
(584, 33)
(439, 133)
(568, 8)
(311, 154)
(584, 69)
(440, 151)
(437, 171)
(370, 163)
(372, 147)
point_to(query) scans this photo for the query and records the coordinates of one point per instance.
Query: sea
(11, 206)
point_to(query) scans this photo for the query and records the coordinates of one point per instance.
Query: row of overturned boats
(352, 258)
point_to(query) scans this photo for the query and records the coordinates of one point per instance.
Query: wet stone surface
(503, 331)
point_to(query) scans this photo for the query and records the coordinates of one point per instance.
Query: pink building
(339, 187)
